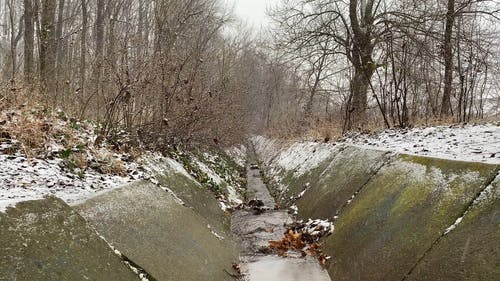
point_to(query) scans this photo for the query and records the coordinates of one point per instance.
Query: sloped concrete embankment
(168, 240)
(47, 240)
(175, 230)
(397, 217)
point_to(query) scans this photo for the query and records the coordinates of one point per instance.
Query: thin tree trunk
(29, 41)
(83, 46)
(59, 51)
(47, 46)
(99, 31)
(448, 59)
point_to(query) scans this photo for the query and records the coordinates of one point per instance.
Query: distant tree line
(169, 71)
(395, 61)
(166, 71)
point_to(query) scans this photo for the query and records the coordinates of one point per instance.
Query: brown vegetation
(176, 71)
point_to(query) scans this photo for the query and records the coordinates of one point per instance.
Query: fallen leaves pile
(304, 237)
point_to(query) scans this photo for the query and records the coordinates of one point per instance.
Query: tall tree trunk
(29, 41)
(13, 42)
(361, 58)
(83, 46)
(59, 42)
(99, 31)
(448, 59)
(47, 46)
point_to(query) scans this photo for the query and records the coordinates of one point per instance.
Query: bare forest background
(169, 71)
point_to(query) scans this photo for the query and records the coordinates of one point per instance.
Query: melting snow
(304, 156)
(209, 172)
(453, 226)
(218, 236)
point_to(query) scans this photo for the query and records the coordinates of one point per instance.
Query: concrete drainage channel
(260, 223)
(412, 218)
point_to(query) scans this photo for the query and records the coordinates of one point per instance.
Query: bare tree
(29, 41)
(48, 46)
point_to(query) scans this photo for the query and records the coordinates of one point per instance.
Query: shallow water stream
(256, 228)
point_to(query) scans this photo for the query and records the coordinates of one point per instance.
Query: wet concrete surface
(274, 268)
(257, 188)
(256, 228)
(46, 240)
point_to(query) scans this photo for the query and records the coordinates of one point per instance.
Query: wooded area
(169, 71)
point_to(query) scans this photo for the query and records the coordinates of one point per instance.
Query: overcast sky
(252, 11)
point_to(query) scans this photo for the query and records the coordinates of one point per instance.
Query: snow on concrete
(300, 157)
(266, 148)
(491, 192)
(156, 163)
(473, 143)
(303, 157)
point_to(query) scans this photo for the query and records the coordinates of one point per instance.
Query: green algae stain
(402, 210)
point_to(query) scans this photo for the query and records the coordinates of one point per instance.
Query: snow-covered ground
(44, 154)
(23, 179)
(474, 143)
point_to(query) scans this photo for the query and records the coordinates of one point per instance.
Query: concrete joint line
(135, 268)
(462, 214)
(388, 161)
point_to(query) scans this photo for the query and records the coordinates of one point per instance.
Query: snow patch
(453, 226)
(472, 143)
(209, 172)
(303, 157)
(218, 236)
(24, 179)
(238, 154)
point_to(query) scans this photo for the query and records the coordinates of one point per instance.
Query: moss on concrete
(47, 240)
(296, 184)
(194, 195)
(346, 174)
(169, 241)
(398, 215)
(471, 251)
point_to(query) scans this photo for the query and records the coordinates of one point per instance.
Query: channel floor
(256, 228)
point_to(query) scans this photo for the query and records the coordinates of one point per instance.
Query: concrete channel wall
(175, 234)
(397, 217)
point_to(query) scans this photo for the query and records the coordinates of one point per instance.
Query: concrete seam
(141, 273)
(389, 160)
(462, 214)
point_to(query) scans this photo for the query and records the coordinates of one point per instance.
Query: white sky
(252, 11)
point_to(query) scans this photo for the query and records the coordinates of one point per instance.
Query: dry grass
(108, 164)
(324, 131)
(28, 128)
